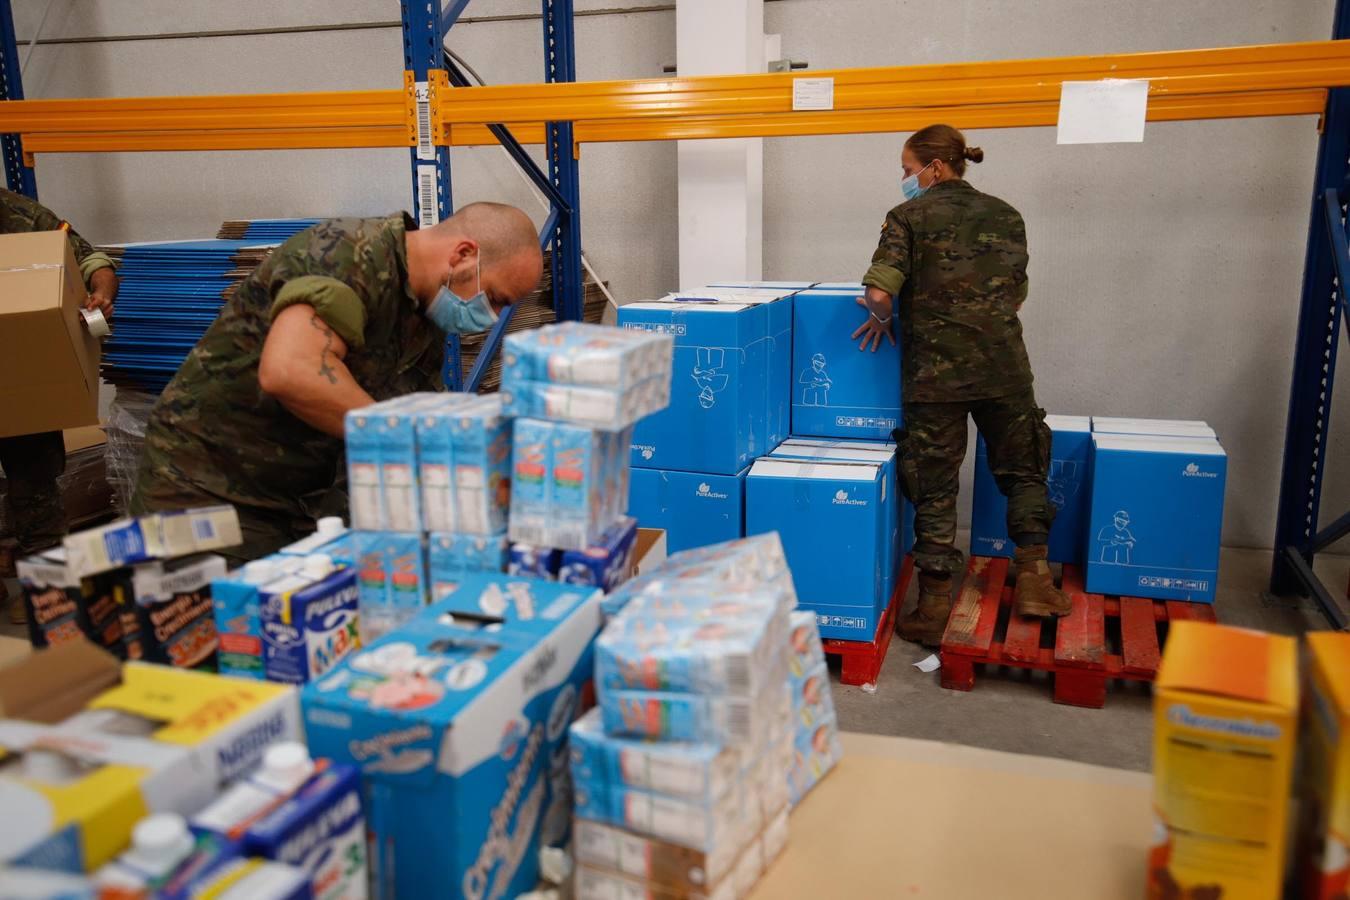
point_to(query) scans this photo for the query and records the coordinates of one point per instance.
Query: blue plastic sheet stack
(170, 294)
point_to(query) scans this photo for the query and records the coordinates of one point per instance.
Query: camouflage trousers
(33, 504)
(932, 446)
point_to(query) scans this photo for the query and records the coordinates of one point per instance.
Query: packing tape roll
(94, 321)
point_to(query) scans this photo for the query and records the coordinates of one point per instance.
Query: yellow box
(1225, 713)
(1324, 827)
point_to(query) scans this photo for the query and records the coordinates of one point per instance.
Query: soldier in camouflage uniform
(34, 462)
(955, 259)
(341, 315)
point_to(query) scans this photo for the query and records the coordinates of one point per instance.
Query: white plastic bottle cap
(318, 565)
(287, 763)
(331, 526)
(162, 840)
(259, 570)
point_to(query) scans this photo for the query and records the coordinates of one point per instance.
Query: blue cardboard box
(503, 598)
(1156, 516)
(832, 520)
(1069, 490)
(606, 563)
(861, 451)
(717, 420)
(838, 390)
(460, 734)
(529, 561)
(694, 508)
(778, 297)
(1156, 427)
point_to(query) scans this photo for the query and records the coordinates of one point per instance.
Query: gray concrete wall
(1164, 276)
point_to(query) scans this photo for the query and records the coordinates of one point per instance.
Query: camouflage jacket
(20, 214)
(956, 259)
(214, 432)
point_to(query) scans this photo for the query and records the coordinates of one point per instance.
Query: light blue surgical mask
(454, 314)
(910, 187)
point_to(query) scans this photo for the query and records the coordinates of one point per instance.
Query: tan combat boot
(927, 621)
(1035, 593)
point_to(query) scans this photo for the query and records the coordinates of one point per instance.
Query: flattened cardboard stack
(271, 231)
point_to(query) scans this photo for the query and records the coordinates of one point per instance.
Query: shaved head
(491, 247)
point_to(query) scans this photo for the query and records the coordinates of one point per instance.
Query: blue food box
(606, 563)
(694, 508)
(308, 624)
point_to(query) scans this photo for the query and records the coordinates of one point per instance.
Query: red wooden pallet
(984, 629)
(862, 659)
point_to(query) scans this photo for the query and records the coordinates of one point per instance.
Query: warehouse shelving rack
(431, 115)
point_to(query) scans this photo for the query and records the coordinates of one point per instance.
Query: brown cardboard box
(48, 359)
(54, 684)
(649, 550)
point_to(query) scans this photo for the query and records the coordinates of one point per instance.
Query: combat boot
(927, 621)
(1035, 593)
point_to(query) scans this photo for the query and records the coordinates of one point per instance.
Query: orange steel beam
(1273, 80)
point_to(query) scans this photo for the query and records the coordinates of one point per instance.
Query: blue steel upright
(1319, 328)
(18, 176)
(560, 64)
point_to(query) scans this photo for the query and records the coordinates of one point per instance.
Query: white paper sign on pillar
(1110, 111)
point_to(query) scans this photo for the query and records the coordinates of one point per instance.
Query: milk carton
(606, 563)
(1067, 485)
(382, 474)
(64, 607)
(694, 508)
(156, 536)
(717, 421)
(1225, 709)
(295, 812)
(167, 614)
(392, 579)
(309, 621)
(1156, 516)
(567, 484)
(531, 484)
(235, 605)
(470, 719)
(452, 557)
(862, 451)
(837, 390)
(826, 513)
(464, 457)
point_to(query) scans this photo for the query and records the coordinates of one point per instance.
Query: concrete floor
(1011, 709)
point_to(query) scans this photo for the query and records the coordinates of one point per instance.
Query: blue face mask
(454, 314)
(910, 187)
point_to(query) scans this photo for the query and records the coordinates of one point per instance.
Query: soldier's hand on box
(873, 328)
(102, 291)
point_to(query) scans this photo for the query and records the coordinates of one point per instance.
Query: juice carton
(701, 772)
(694, 718)
(530, 561)
(453, 557)
(531, 482)
(812, 702)
(435, 433)
(577, 476)
(1224, 712)
(469, 719)
(235, 605)
(363, 469)
(481, 438)
(156, 536)
(299, 813)
(167, 614)
(587, 354)
(382, 471)
(310, 620)
(1324, 796)
(392, 579)
(63, 607)
(71, 800)
(606, 563)
(226, 724)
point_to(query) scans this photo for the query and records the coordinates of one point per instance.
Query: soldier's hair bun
(974, 154)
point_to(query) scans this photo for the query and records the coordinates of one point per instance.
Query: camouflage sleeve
(24, 213)
(891, 261)
(334, 302)
(1016, 256)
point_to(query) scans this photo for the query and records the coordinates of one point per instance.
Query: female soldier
(952, 262)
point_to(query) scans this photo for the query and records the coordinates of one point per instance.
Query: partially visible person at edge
(951, 266)
(34, 462)
(343, 314)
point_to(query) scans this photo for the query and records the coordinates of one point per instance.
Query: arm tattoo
(325, 369)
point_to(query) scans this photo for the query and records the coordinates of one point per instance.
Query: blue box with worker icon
(778, 296)
(717, 420)
(832, 519)
(694, 508)
(838, 390)
(460, 734)
(1068, 486)
(1156, 516)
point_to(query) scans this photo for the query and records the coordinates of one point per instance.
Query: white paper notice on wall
(812, 93)
(1110, 111)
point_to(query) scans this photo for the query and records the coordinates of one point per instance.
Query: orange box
(1324, 826)
(1225, 710)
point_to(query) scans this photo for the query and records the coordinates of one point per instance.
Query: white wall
(1164, 277)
